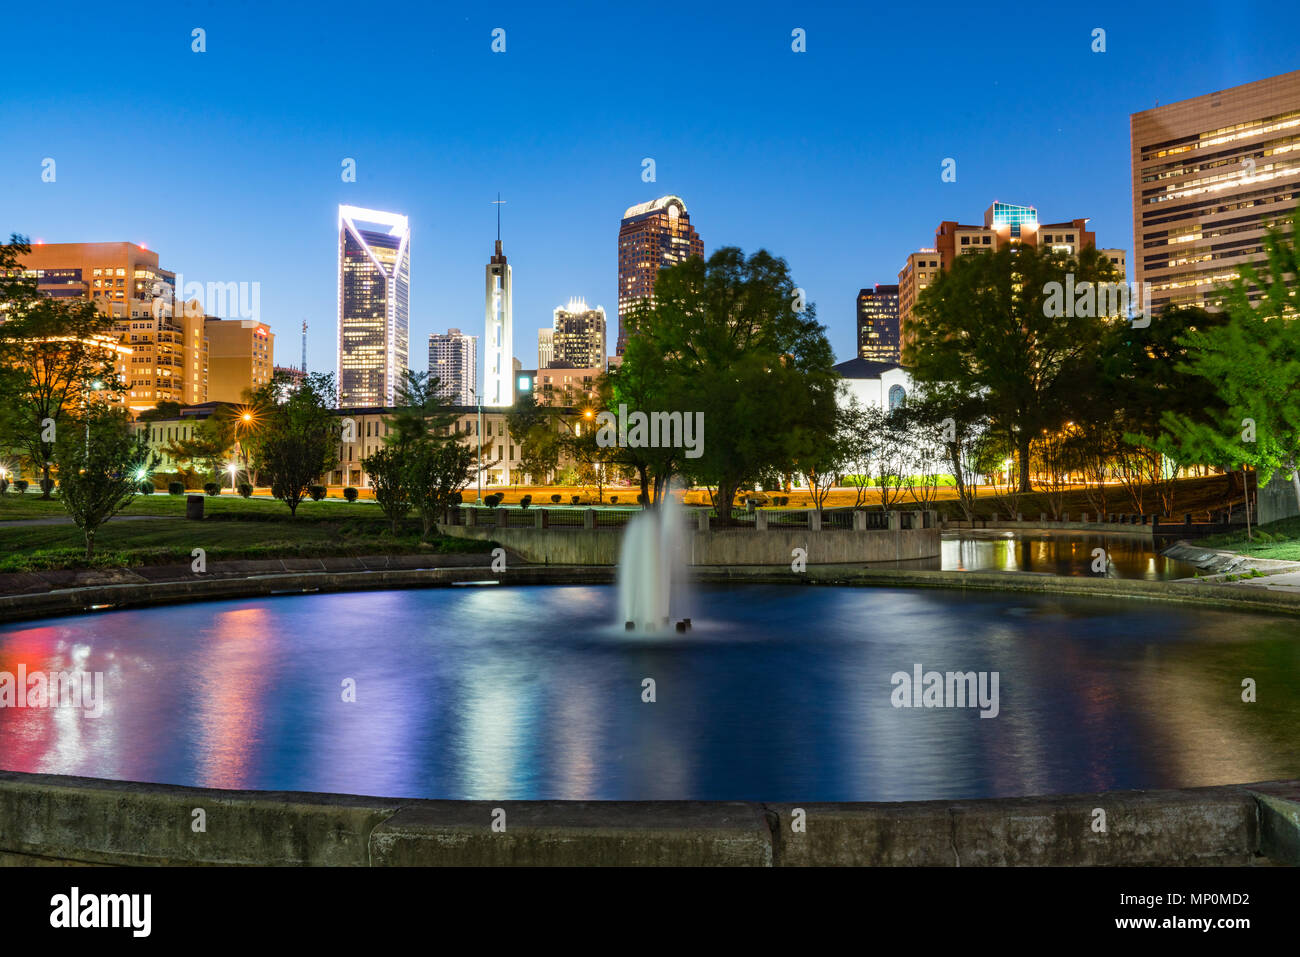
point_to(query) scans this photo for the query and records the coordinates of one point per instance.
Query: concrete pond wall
(48, 819)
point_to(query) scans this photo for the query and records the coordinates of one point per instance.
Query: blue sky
(228, 162)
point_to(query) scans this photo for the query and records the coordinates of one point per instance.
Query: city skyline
(844, 222)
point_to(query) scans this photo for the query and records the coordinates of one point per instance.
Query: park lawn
(166, 541)
(1278, 540)
(31, 505)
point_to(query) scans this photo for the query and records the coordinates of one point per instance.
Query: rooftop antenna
(498, 203)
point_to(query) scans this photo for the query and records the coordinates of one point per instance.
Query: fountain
(651, 568)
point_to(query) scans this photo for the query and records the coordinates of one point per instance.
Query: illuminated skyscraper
(578, 336)
(374, 306)
(652, 235)
(1210, 175)
(498, 358)
(878, 323)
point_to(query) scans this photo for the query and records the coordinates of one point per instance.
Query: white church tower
(498, 356)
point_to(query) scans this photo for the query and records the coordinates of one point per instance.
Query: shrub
(493, 500)
(212, 488)
(317, 492)
(175, 488)
(245, 489)
(525, 501)
(146, 488)
(350, 494)
(613, 500)
(577, 500)
(20, 486)
(555, 500)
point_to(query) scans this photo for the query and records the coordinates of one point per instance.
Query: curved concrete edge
(76, 601)
(54, 819)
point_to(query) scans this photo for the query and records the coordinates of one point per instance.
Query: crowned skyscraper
(652, 235)
(498, 352)
(374, 306)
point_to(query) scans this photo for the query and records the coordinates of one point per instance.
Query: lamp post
(479, 463)
(232, 468)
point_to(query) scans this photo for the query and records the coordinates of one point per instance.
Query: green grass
(1277, 540)
(246, 530)
(226, 505)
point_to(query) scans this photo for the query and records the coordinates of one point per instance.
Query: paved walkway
(67, 520)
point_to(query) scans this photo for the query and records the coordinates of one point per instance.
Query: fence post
(760, 520)
(859, 520)
(539, 518)
(588, 518)
(471, 517)
(503, 517)
(895, 521)
(1042, 518)
(703, 518)
(814, 520)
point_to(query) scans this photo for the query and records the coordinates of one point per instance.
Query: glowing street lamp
(232, 468)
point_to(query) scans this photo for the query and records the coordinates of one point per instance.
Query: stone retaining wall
(66, 820)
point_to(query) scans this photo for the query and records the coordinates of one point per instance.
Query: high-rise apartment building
(578, 336)
(168, 359)
(1210, 174)
(498, 357)
(1004, 224)
(241, 357)
(453, 358)
(920, 270)
(545, 347)
(652, 235)
(374, 305)
(878, 323)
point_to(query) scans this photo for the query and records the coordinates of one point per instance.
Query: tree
(100, 469)
(993, 324)
(733, 340)
(421, 413)
(207, 448)
(436, 474)
(1252, 361)
(533, 426)
(59, 359)
(958, 421)
(390, 479)
(166, 409)
(296, 442)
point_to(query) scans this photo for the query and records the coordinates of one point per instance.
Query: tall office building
(374, 306)
(498, 358)
(578, 336)
(545, 347)
(920, 270)
(165, 358)
(652, 235)
(878, 323)
(241, 357)
(453, 358)
(1209, 175)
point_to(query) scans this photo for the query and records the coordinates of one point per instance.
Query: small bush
(350, 494)
(555, 500)
(493, 500)
(613, 500)
(577, 500)
(175, 488)
(20, 486)
(317, 492)
(212, 488)
(525, 501)
(245, 489)
(146, 488)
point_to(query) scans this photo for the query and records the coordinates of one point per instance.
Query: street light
(479, 463)
(232, 468)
